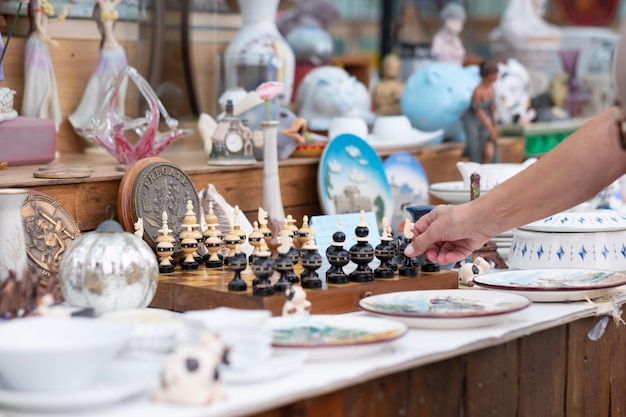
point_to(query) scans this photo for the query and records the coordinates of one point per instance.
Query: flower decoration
(268, 91)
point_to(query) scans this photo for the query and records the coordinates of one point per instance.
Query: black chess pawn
(238, 263)
(384, 252)
(409, 266)
(362, 253)
(283, 265)
(417, 211)
(263, 268)
(231, 240)
(338, 257)
(311, 261)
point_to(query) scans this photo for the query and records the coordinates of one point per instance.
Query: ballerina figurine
(112, 61)
(41, 97)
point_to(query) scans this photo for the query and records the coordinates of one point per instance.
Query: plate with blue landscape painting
(554, 285)
(351, 178)
(408, 182)
(445, 309)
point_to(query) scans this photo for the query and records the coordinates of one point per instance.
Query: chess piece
(263, 268)
(255, 239)
(395, 259)
(296, 304)
(190, 220)
(384, 252)
(338, 257)
(408, 267)
(263, 227)
(284, 264)
(426, 265)
(189, 244)
(311, 261)
(303, 232)
(166, 237)
(237, 263)
(294, 253)
(231, 240)
(237, 226)
(213, 243)
(362, 253)
(139, 228)
(471, 270)
(165, 247)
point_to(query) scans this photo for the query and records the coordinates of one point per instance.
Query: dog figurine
(470, 270)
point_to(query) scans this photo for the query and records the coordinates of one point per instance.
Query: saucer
(275, 367)
(453, 192)
(119, 380)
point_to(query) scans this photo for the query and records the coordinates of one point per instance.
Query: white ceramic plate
(278, 365)
(590, 221)
(445, 309)
(413, 139)
(120, 380)
(330, 336)
(454, 192)
(554, 285)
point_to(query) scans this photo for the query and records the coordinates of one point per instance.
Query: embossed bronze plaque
(49, 230)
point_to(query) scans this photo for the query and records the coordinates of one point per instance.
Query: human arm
(573, 172)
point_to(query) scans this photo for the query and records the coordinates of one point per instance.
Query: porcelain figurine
(550, 105)
(296, 304)
(111, 62)
(479, 121)
(386, 95)
(471, 270)
(41, 98)
(447, 45)
(512, 90)
(191, 373)
(362, 253)
(328, 92)
(230, 145)
(436, 96)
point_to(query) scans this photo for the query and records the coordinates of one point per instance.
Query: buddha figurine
(386, 95)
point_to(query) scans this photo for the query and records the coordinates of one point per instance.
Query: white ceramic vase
(12, 242)
(272, 197)
(259, 53)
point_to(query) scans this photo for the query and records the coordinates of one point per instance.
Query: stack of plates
(503, 241)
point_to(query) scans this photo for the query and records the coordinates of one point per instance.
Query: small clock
(233, 142)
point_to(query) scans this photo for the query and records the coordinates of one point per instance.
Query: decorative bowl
(588, 240)
(491, 174)
(56, 354)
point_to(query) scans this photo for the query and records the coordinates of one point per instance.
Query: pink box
(27, 140)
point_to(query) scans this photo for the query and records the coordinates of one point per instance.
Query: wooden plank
(385, 396)
(616, 334)
(542, 373)
(438, 389)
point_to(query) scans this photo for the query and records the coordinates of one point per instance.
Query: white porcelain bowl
(56, 354)
(491, 174)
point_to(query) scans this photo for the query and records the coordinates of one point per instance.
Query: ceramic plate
(277, 366)
(408, 182)
(553, 285)
(329, 336)
(351, 178)
(591, 221)
(453, 192)
(120, 380)
(445, 309)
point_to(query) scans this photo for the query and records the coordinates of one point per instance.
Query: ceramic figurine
(447, 45)
(470, 270)
(512, 89)
(436, 96)
(296, 304)
(311, 261)
(255, 239)
(41, 98)
(550, 105)
(263, 268)
(230, 146)
(408, 267)
(338, 257)
(237, 263)
(111, 63)
(283, 264)
(479, 121)
(384, 252)
(190, 374)
(386, 95)
(362, 253)
(328, 92)
(165, 247)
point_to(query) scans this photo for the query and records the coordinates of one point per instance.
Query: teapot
(491, 174)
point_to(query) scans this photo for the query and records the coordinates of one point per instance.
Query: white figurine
(512, 90)
(470, 270)
(190, 373)
(297, 304)
(139, 228)
(447, 45)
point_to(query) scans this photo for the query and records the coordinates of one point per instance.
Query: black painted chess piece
(255, 238)
(189, 244)
(238, 262)
(362, 253)
(409, 266)
(338, 257)
(231, 240)
(283, 264)
(165, 247)
(417, 211)
(263, 268)
(213, 244)
(384, 252)
(311, 261)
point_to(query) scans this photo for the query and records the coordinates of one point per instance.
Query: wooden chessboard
(208, 288)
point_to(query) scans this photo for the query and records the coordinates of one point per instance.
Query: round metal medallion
(49, 230)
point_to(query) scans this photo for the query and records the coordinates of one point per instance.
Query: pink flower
(269, 90)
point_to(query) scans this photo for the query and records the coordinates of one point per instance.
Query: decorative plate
(445, 308)
(351, 178)
(408, 182)
(329, 336)
(553, 285)
(453, 192)
(591, 221)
